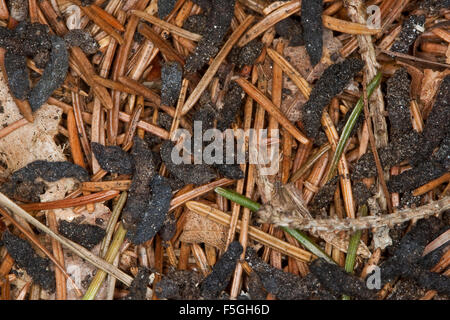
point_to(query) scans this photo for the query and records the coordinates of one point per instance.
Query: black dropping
(313, 29)
(112, 158)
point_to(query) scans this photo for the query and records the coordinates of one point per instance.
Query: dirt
(165, 8)
(112, 158)
(179, 285)
(246, 55)
(339, 282)
(398, 102)
(291, 30)
(140, 192)
(171, 77)
(83, 39)
(408, 35)
(333, 81)
(152, 219)
(436, 127)
(405, 261)
(197, 174)
(221, 274)
(18, 75)
(25, 257)
(284, 285)
(138, 288)
(311, 18)
(86, 235)
(219, 21)
(18, 9)
(53, 76)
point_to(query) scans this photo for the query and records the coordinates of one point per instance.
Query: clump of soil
(291, 30)
(398, 102)
(218, 279)
(112, 158)
(411, 29)
(139, 193)
(171, 77)
(155, 214)
(333, 81)
(219, 21)
(83, 39)
(165, 8)
(25, 257)
(188, 173)
(313, 29)
(406, 259)
(179, 285)
(86, 235)
(138, 288)
(339, 282)
(247, 55)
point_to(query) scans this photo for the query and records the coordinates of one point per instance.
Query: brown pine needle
(347, 26)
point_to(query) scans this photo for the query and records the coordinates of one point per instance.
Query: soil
(410, 31)
(171, 77)
(83, 39)
(53, 76)
(86, 235)
(112, 158)
(179, 285)
(155, 214)
(188, 173)
(165, 8)
(219, 21)
(138, 288)
(311, 19)
(339, 282)
(18, 75)
(333, 81)
(221, 274)
(292, 30)
(398, 102)
(25, 257)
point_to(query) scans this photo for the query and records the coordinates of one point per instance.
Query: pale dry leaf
(200, 229)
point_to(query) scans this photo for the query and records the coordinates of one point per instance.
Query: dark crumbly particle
(83, 39)
(408, 200)
(138, 288)
(165, 7)
(196, 23)
(140, 193)
(171, 77)
(179, 285)
(285, 285)
(325, 196)
(219, 21)
(404, 147)
(53, 76)
(406, 289)
(18, 75)
(406, 259)
(436, 127)
(230, 171)
(50, 171)
(218, 279)
(233, 103)
(188, 173)
(248, 54)
(313, 29)
(25, 257)
(18, 9)
(154, 216)
(398, 102)
(411, 29)
(26, 39)
(112, 158)
(339, 282)
(416, 177)
(291, 30)
(332, 82)
(86, 235)
(361, 193)
(442, 155)
(25, 191)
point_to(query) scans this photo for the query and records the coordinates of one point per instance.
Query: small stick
(97, 186)
(214, 66)
(13, 126)
(347, 26)
(431, 185)
(265, 102)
